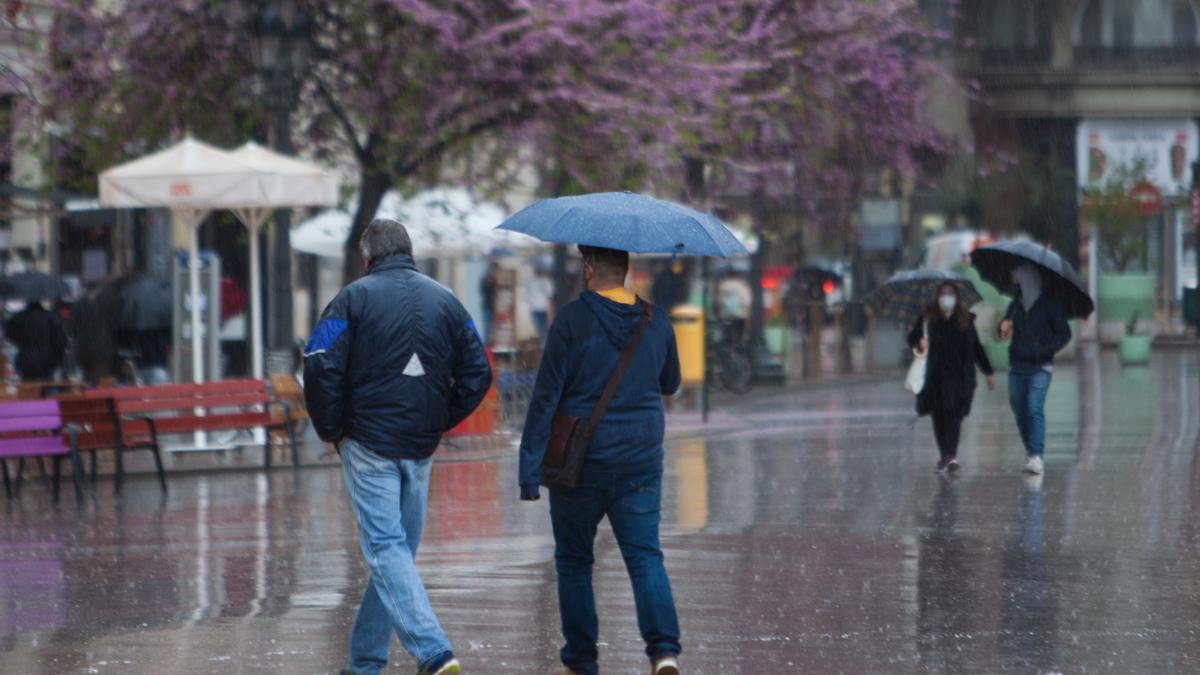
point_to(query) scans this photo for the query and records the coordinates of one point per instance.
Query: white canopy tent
(442, 221)
(286, 182)
(190, 178)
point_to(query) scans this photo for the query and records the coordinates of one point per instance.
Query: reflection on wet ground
(812, 533)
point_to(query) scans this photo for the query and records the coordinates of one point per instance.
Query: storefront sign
(1167, 146)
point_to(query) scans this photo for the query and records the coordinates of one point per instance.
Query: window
(1129, 24)
(1012, 25)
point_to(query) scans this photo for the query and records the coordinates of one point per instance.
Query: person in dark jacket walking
(622, 474)
(394, 363)
(1038, 330)
(954, 351)
(41, 342)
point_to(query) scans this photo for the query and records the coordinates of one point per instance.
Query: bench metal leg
(20, 472)
(158, 464)
(76, 464)
(119, 477)
(57, 474)
(267, 451)
(7, 481)
(291, 432)
(94, 453)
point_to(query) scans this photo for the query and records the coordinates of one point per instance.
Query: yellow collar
(619, 294)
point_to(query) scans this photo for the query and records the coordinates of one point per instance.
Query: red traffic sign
(1146, 197)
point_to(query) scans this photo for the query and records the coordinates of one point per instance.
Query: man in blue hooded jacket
(394, 363)
(622, 475)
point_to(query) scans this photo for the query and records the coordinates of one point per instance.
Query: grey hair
(382, 238)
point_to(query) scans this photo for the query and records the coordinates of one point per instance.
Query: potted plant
(1134, 347)
(1121, 233)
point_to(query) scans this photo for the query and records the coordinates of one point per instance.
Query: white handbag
(914, 381)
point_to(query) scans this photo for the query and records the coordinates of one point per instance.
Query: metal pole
(194, 281)
(1196, 242)
(281, 263)
(256, 318)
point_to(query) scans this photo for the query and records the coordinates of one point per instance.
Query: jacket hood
(618, 321)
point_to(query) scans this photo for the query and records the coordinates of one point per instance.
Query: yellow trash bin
(688, 321)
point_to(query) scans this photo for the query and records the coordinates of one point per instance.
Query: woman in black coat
(954, 351)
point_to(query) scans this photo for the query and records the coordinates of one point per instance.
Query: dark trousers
(946, 428)
(633, 504)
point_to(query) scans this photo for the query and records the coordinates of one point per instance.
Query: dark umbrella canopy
(996, 263)
(145, 305)
(909, 294)
(32, 286)
(626, 222)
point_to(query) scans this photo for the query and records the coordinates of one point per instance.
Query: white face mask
(947, 302)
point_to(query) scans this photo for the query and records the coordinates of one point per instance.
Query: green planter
(1134, 350)
(776, 337)
(997, 353)
(1123, 294)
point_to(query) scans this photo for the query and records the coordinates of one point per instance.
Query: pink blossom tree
(403, 85)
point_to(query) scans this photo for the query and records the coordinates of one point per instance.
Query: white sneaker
(666, 666)
(1034, 465)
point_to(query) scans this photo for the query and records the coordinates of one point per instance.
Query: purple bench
(35, 429)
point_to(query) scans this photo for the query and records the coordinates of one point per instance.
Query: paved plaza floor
(804, 531)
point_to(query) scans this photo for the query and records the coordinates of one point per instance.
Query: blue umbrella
(626, 222)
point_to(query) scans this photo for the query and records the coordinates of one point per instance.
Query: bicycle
(733, 370)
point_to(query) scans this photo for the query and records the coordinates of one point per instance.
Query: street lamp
(282, 37)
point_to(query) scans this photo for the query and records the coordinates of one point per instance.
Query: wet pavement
(805, 532)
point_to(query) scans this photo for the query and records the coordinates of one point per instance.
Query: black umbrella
(145, 305)
(32, 286)
(911, 293)
(1060, 281)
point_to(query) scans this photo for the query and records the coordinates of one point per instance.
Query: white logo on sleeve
(414, 367)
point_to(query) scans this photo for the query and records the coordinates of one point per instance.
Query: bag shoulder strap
(614, 381)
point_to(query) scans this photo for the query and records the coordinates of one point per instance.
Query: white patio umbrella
(190, 178)
(285, 183)
(442, 221)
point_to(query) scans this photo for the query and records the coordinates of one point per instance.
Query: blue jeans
(633, 504)
(1027, 395)
(388, 496)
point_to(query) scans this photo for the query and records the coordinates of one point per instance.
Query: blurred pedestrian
(622, 472)
(40, 339)
(488, 288)
(539, 291)
(1038, 330)
(947, 335)
(733, 302)
(383, 388)
(669, 286)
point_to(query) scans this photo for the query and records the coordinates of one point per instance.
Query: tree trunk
(375, 185)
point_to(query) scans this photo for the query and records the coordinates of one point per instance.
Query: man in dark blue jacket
(1038, 330)
(394, 363)
(622, 475)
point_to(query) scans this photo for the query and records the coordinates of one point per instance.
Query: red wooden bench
(99, 427)
(146, 414)
(35, 429)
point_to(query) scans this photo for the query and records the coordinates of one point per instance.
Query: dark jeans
(633, 504)
(946, 428)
